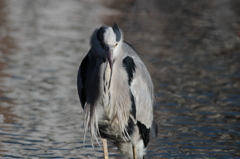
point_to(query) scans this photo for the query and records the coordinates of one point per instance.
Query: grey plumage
(116, 92)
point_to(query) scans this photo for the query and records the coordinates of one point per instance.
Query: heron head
(110, 39)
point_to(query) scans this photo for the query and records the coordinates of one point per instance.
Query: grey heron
(116, 93)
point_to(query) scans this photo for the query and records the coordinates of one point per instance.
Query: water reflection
(7, 117)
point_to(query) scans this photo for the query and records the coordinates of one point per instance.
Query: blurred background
(191, 48)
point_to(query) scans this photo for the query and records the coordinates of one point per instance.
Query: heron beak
(109, 52)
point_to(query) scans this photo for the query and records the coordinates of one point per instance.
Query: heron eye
(115, 44)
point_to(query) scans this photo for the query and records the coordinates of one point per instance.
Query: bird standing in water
(116, 93)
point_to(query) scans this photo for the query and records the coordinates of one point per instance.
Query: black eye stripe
(100, 33)
(117, 32)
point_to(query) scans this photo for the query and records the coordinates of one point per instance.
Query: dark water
(191, 50)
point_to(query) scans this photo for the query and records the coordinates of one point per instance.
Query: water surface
(196, 79)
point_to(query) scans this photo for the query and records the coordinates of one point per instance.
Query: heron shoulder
(131, 58)
(129, 65)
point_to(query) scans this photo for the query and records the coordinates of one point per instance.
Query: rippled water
(41, 46)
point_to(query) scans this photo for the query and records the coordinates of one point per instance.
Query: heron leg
(105, 148)
(134, 152)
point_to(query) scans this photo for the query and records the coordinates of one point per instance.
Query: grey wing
(142, 90)
(141, 87)
(81, 80)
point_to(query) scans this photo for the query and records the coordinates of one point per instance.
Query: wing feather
(141, 88)
(81, 78)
